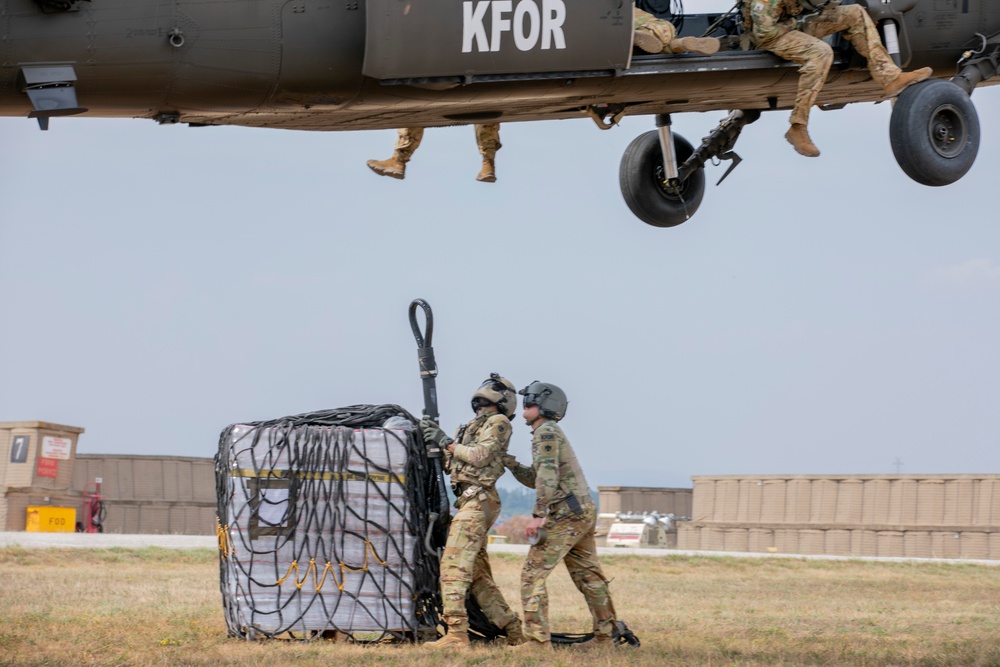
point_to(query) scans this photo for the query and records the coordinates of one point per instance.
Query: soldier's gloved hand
(510, 462)
(433, 434)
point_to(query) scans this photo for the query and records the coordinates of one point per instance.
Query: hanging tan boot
(488, 174)
(647, 41)
(704, 45)
(907, 79)
(455, 640)
(394, 167)
(798, 137)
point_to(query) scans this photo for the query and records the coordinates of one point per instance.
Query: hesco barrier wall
(914, 516)
(151, 494)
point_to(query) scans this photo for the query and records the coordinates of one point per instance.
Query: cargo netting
(327, 527)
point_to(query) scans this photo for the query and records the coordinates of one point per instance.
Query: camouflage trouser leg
(659, 28)
(570, 538)
(488, 139)
(585, 570)
(466, 565)
(488, 595)
(815, 57)
(408, 142)
(860, 30)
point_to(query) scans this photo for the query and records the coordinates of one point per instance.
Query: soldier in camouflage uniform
(566, 513)
(474, 459)
(650, 34)
(654, 35)
(783, 28)
(487, 138)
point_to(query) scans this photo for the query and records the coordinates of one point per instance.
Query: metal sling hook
(425, 355)
(428, 373)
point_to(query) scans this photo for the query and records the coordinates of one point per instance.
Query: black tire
(644, 187)
(934, 132)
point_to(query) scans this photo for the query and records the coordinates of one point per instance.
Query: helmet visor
(530, 397)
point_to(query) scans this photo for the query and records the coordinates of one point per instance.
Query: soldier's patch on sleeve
(548, 436)
(548, 449)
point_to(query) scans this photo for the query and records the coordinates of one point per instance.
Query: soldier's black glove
(433, 435)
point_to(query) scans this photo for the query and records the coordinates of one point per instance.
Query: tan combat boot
(798, 137)
(454, 640)
(515, 636)
(647, 41)
(703, 45)
(394, 167)
(907, 79)
(531, 647)
(596, 643)
(488, 174)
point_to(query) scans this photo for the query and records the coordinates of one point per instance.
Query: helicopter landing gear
(934, 132)
(648, 176)
(650, 194)
(662, 177)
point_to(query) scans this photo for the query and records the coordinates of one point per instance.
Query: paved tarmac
(106, 541)
(111, 540)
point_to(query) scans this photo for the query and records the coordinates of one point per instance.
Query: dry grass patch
(163, 607)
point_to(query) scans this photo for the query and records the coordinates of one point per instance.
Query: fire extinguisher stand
(94, 511)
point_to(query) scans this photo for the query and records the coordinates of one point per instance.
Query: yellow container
(496, 539)
(46, 519)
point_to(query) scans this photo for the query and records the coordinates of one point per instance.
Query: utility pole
(899, 465)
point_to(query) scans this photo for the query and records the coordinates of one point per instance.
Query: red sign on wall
(47, 467)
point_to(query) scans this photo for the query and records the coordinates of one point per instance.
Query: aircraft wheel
(644, 187)
(934, 132)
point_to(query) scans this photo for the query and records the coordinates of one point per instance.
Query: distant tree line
(518, 501)
(515, 512)
(515, 502)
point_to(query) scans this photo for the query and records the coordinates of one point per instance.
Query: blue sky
(816, 316)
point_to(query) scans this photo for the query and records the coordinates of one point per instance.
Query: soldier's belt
(468, 493)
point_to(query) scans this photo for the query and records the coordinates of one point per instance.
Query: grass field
(162, 607)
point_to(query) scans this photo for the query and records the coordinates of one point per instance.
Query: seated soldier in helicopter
(793, 29)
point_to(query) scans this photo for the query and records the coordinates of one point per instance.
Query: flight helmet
(550, 399)
(498, 391)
